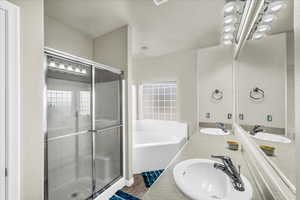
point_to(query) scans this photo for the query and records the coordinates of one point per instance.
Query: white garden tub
(155, 143)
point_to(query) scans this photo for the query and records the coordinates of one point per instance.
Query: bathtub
(155, 143)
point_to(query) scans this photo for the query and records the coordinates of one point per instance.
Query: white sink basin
(213, 131)
(271, 137)
(199, 180)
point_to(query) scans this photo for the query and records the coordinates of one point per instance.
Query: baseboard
(129, 182)
(112, 189)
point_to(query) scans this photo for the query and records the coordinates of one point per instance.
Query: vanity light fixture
(52, 64)
(229, 29)
(230, 19)
(263, 28)
(269, 18)
(83, 71)
(258, 35)
(231, 7)
(276, 6)
(249, 19)
(70, 68)
(77, 70)
(227, 42)
(61, 66)
(228, 36)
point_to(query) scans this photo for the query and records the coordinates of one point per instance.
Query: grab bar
(84, 132)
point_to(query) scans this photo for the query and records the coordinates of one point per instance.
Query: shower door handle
(109, 128)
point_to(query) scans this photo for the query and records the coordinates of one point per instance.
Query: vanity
(255, 103)
(199, 146)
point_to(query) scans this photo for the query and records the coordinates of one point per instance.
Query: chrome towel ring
(217, 95)
(257, 94)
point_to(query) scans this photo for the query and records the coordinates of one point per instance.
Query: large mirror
(265, 94)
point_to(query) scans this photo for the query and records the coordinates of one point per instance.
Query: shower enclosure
(84, 128)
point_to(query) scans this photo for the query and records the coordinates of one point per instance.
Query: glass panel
(69, 114)
(107, 98)
(70, 167)
(108, 157)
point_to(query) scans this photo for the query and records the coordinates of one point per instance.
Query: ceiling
(174, 26)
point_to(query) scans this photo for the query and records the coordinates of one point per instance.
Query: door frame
(11, 138)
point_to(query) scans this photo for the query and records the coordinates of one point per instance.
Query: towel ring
(217, 95)
(257, 94)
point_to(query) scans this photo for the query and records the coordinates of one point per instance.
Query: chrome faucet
(228, 168)
(221, 126)
(256, 129)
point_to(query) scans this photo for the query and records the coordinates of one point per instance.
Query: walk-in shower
(84, 128)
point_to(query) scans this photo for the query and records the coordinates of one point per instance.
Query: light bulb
(230, 19)
(52, 64)
(83, 71)
(263, 28)
(258, 35)
(70, 68)
(276, 6)
(230, 7)
(269, 18)
(77, 70)
(61, 66)
(227, 42)
(229, 29)
(228, 36)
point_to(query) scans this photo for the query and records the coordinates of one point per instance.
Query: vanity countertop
(284, 158)
(199, 146)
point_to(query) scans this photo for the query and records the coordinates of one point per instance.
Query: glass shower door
(69, 142)
(108, 128)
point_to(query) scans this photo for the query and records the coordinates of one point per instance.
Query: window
(57, 98)
(158, 101)
(85, 102)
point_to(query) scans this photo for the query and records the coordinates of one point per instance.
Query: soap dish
(269, 150)
(232, 145)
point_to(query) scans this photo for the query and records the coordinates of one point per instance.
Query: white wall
(112, 48)
(65, 38)
(181, 67)
(263, 64)
(214, 66)
(32, 75)
(297, 86)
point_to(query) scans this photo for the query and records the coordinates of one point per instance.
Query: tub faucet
(221, 126)
(230, 170)
(256, 129)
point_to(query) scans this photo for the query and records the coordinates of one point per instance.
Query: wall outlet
(207, 115)
(269, 118)
(229, 116)
(241, 116)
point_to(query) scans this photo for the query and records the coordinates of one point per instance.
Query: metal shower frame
(93, 65)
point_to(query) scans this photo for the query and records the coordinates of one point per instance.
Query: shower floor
(79, 189)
